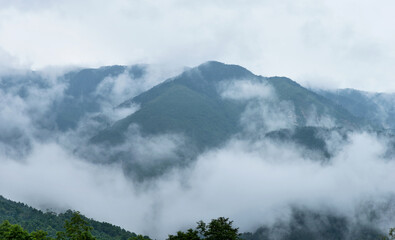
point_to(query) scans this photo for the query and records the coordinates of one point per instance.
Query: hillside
(32, 219)
(173, 123)
(80, 95)
(303, 224)
(376, 108)
(191, 104)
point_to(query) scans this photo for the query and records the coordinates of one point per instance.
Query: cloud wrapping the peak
(150, 178)
(249, 178)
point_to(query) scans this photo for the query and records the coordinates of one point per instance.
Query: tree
(76, 229)
(391, 235)
(40, 235)
(139, 237)
(218, 229)
(9, 231)
(189, 235)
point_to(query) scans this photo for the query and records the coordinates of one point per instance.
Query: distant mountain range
(200, 109)
(378, 109)
(192, 104)
(196, 105)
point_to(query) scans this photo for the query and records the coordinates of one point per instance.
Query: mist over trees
(215, 129)
(221, 228)
(77, 228)
(210, 119)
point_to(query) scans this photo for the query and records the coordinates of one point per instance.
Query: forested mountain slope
(376, 108)
(32, 219)
(191, 103)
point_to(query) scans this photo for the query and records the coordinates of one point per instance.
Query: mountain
(188, 104)
(32, 219)
(306, 101)
(70, 96)
(44, 106)
(375, 108)
(312, 139)
(191, 104)
(305, 224)
(81, 97)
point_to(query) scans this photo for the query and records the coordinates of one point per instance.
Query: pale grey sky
(319, 43)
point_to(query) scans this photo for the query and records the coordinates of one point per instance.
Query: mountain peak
(216, 71)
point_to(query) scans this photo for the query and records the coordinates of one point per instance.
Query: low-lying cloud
(245, 89)
(251, 179)
(264, 111)
(252, 183)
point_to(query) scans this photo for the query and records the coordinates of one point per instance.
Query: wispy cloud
(321, 43)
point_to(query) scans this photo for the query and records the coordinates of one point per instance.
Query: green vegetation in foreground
(21, 222)
(33, 220)
(391, 235)
(77, 228)
(217, 229)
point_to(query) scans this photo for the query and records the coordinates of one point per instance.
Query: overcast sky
(319, 43)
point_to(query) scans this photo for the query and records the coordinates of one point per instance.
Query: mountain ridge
(201, 83)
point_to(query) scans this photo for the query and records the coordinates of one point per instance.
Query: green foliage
(188, 235)
(10, 231)
(391, 235)
(32, 220)
(76, 229)
(13, 232)
(40, 235)
(217, 229)
(139, 237)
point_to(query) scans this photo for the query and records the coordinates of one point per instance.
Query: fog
(252, 183)
(332, 44)
(158, 184)
(251, 179)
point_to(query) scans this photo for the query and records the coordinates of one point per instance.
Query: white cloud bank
(252, 183)
(320, 43)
